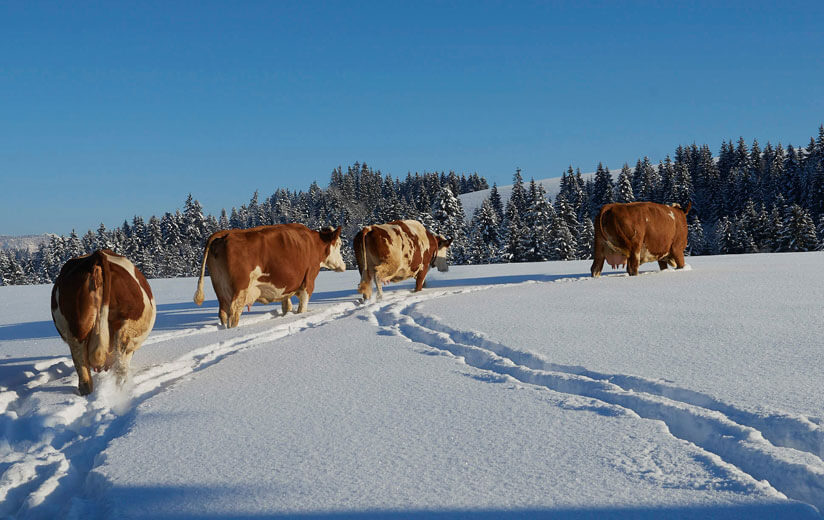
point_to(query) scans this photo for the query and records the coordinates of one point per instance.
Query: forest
(747, 199)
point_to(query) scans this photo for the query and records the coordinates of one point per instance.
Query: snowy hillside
(522, 390)
(28, 242)
(473, 200)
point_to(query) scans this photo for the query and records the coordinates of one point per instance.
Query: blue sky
(115, 109)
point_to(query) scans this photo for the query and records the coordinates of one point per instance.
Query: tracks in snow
(49, 445)
(780, 452)
(51, 437)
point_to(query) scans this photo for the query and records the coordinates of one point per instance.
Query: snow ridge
(777, 453)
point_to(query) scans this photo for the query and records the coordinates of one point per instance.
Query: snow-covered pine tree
(535, 242)
(562, 243)
(821, 233)
(450, 221)
(223, 221)
(799, 233)
(602, 190)
(695, 237)
(484, 240)
(74, 247)
(681, 190)
(623, 190)
(514, 232)
(518, 198)
(585, 238)
(792, 187)
(495, 202)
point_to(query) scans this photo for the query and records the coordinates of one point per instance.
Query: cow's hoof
(85, 388)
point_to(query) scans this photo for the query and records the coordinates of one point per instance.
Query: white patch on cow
(672, 216)
(125, 264)
(334, 261)
(133, 332)
(60, 320)
(262, 292)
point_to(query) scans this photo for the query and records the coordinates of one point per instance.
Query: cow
(396, 251)
(266, 264)
(639, 232)
(103, 307)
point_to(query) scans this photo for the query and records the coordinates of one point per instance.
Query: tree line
(745, 200)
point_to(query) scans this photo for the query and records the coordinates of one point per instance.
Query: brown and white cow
(266, 264)
(103, 308)
(396, 251)
(640, 232)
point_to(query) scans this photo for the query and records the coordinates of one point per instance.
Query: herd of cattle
(103, 307)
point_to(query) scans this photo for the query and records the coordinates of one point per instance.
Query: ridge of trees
(745, 200)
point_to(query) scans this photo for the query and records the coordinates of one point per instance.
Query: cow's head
(439, 258)
(333, 259)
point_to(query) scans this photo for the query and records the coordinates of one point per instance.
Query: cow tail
(99, 340)
(360, 248)
(199, 292)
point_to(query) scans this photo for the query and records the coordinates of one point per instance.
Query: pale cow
(396, 251)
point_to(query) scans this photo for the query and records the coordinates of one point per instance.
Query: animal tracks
(780, 452)
(52, 437)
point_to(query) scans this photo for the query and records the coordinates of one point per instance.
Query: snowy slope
(529, 389)
(473, 200)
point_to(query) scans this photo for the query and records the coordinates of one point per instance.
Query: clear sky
(115, 109)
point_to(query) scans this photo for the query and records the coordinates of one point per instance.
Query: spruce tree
(799, 233)
(602, 190)
(585, 239)
(449, 221)
(535, 241)
(562, 243)
(623, 190)
(695, 237)
(495, 202)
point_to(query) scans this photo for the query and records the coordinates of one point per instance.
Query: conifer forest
(745, 199)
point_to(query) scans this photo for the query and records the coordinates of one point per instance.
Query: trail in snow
(49, 448)
(780, 451)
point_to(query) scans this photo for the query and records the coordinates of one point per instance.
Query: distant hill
(28, 242)
(473, 200)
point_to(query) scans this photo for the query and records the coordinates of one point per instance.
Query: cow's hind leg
(662, 264)
(379, 287)
(286, 305)
(420, 280)
(678, 258)
(634, 261)
(597, 262)
(124, 361)
(81, 365)
(303, 300)
(236, 310)
(365, 285)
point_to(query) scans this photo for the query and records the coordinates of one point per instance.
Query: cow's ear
(337, 233)
(444, 242)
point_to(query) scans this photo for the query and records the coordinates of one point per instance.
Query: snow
(523, 390)
(473, 200)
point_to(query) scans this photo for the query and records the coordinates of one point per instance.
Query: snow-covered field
(525, 390)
